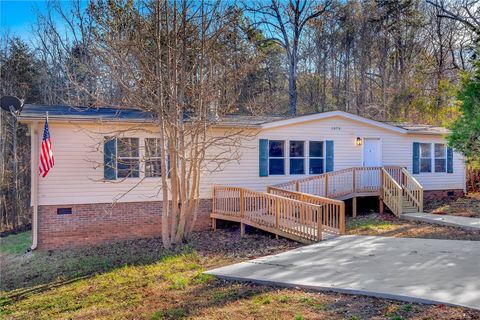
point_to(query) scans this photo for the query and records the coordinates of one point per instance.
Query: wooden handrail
(413, 190)
(392, 193)
(340, 183)
(333, 213)
(296, 216)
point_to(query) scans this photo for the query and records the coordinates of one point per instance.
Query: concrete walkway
(414, 270)
(446, 220)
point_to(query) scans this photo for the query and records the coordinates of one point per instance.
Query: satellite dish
(10, 103)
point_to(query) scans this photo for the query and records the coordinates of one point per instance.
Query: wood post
(354, 207)
(277, 217)
(242, 229)
(381, 205)
(214, 224)
(242, 202)
(354, 187)
(326, 186)
(319, 223)
(342, 218)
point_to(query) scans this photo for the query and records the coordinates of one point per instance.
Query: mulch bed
(387, 225)
(468, 206)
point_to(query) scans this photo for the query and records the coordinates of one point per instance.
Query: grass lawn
(140, 280)
(16, 243)
(468, 206)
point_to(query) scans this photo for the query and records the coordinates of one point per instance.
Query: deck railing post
(354, 187)
(319, 222)
(277, 217)
(342, 218)
(242, 203)
(326, 185)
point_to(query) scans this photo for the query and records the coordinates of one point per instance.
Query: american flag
(46, 154)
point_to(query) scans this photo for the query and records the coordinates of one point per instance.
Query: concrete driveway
(414, 270)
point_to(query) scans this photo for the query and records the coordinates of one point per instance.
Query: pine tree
(465, 136)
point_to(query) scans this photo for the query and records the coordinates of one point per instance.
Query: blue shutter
(110, 158)
(329, 156)
(263, 158)
(449, 160)
(416, 158)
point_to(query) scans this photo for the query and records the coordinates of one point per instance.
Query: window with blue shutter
(110, 158)
(449, 160)
(263, 158)
(329, 156)
(416, 158)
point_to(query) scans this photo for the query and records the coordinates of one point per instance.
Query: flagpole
(47, 116)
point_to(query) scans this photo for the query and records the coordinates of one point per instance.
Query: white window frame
(118, 158)
(420, 157)
(317, 158)
(444, 158)
(147, 158)
(293, 158)
(285, 169)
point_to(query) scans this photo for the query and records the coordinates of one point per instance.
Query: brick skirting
(91, 224)
(429, 195)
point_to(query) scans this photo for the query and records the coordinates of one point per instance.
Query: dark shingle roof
(63, 112)
(419, 128)
(31, 111)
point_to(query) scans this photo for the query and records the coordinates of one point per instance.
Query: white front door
(372, 152)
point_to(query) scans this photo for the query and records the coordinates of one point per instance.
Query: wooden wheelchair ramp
(293, 215)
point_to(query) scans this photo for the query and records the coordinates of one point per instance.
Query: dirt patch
(387, 225)
(467, 206)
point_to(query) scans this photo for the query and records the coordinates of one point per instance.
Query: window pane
(297, 166)
(276, 166)
(296, 149)
(127, 147)
(425, 150)
(316, 166)
(153, 168)
(440, 165)
(425, 165)
(439, 150)
(152, 148)
(128, 168)
(276, 148)
(316, 149)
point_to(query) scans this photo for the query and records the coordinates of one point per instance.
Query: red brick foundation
(91, 224)
(429, 195)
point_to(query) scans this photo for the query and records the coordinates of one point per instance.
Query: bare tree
(167, 58)
(465, 11)
(285, 22)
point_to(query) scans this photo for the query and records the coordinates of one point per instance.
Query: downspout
(34, 181)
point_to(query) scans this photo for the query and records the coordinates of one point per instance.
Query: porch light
(358, 142)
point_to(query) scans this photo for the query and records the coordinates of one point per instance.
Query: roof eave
(330, 114)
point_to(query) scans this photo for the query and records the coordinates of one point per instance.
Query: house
(72, 205)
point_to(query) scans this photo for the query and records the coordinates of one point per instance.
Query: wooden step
(409, 210)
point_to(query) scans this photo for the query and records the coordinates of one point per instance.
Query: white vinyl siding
(77, 176)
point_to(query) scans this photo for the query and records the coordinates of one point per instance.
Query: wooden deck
(312, 209)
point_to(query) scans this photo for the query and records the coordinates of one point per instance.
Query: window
(425, 157)
(297, 157)
(128, 158)
(276, 157)
(440, 157)
(316, 157)
(152, 158)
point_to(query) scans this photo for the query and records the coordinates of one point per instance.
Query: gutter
(34, 181)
